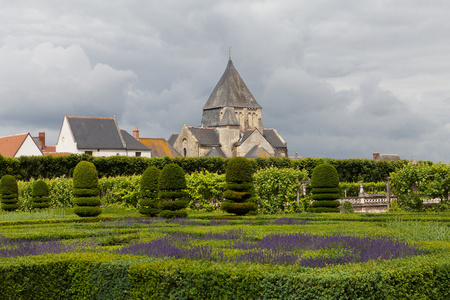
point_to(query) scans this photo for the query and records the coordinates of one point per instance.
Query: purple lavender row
(13, 248)
(274, 249)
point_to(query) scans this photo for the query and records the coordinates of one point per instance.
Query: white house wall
(66, 142)
(28, 148)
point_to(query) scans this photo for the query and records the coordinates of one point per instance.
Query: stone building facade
(231, 125)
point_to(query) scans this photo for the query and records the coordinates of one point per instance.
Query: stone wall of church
(249, 118)
(186, 144)
(255, 139)
(228, 135)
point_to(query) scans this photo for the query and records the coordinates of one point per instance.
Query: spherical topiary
(239, 169)
(148, 203)
(85, 189)
(40, 195)
(325, 189)
(348, 207)
(9, 193)
(172, 194)
(239, 188)
(85, 176)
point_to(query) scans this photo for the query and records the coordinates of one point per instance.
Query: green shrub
(172, 194)
(40, 194)
(325, 203)
(87, 204)
(325, 189)
(85, 176)
(148, 204)
(204, 189)
(348, 207)
(9, 193)
(172, 178)
(239, 175)
(239, 170)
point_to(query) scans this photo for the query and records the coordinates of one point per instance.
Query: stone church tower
(231, 125)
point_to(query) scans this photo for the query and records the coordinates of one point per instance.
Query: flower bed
(307, 257)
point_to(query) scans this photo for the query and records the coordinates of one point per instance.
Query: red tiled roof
(51, 150)
(9, 145)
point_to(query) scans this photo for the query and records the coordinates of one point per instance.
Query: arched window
(185, 144)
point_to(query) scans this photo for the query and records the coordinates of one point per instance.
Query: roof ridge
(101, 118)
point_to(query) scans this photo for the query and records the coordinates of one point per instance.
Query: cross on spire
(229, 53)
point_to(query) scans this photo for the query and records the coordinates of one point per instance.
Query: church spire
(231, 91)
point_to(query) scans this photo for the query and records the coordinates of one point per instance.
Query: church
(231, 125)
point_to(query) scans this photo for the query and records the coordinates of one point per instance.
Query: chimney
(376, 155)
(136, 133)
(42, 140)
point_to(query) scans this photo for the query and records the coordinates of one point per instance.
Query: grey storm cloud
(337, 79)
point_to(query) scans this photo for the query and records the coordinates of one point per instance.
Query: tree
(325, 189)
(172, 194)
(239, 190)
(149, 192)
(40, 195)
(9, 192)
(85, 190)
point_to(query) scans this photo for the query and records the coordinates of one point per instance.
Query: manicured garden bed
(120, 255)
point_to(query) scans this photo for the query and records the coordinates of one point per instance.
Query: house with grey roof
(98, 137)
(231, 125)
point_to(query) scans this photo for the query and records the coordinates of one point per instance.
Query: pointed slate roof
(231, 91)
(9, 145)
(214, 152)
(96, 133)
(131, 142)
(173, 138)
(229, 118)
(246, 135)
(273, 138)
(206, 136)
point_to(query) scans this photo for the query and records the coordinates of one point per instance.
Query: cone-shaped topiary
(239, 189)
(172, 194)
(85, 190)
(9, 193)
(149, 192)
(40, 195)
(325, 189)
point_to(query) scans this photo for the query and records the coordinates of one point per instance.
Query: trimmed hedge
(85, 177)
(325, 189)
(350, 170)
(239, 175)
(109, 276)
(172, 194)
(148, 204)
(9, 193)
(40, 195)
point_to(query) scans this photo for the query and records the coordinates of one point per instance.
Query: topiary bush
(239, 189)
(348, 207)
(325, 189)
(9, 193)
(40, 195)
(148, 204)
(172, 195)
(85, 189)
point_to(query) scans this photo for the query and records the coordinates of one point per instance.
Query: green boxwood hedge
(109, 276)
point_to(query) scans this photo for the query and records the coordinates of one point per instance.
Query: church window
(185, 144)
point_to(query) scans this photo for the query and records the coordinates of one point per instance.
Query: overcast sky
(337, 79)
